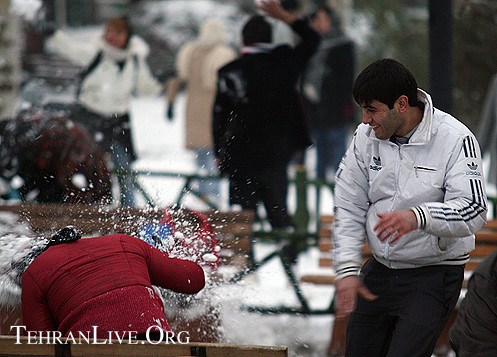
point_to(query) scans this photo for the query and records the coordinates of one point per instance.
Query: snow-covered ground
(160, 144)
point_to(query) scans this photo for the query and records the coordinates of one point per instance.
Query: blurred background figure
(45, 157)
(116, 69)
(326, 88)
(474, 332)
(258, 122)
(197, 64)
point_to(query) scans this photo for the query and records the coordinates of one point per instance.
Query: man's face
(384, 121)
(321, 23)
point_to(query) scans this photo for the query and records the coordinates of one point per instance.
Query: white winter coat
(107, 90)
(438, 174)
(197, 64)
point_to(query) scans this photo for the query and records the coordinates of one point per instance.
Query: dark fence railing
(305, 221)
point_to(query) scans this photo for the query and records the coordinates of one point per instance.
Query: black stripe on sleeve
(469, 147)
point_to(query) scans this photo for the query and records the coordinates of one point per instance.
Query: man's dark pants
(411, 310)
(250, 186)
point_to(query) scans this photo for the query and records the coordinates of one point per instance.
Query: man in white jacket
(411, 182)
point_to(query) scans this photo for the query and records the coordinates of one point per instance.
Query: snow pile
(16, 242)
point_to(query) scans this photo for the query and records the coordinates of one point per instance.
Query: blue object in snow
(157, 235)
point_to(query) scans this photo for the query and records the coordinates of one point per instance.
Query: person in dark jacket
(327, 91)
(258, 122)
(474, 332)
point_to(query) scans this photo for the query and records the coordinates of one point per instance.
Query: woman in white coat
(197, 64)
(115, 70)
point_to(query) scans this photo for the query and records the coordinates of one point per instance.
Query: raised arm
(274, 9)
(81, 53)
(309, 38)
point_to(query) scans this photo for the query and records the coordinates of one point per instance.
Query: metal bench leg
(198, 351)
(186, 188)
(253, 267)
(295, 284)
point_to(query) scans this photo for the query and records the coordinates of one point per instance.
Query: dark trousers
(113, 135)
(411, 310)
(249, 187)
(107, 131)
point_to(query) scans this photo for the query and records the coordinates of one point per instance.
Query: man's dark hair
(291, 5)
(256, 30)
(385, 81)
(122, 23)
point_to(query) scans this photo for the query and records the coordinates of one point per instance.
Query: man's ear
(403, 103)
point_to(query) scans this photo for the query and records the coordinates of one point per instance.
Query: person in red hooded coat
(76, 284)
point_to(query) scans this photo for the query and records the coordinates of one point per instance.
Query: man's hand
(346, 294)
(274, 9)
(394, 225)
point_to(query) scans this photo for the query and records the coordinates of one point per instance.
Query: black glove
(65, 235)
(170, 111)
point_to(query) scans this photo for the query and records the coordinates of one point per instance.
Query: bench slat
(239, 244)
(8, 347)
(491, 224)
(325, 262)
(325, 232)
(486, 243)
(486, 236)
(233, 229)
(318, 279)
(482, 250)
(77, 210)
(326, 219)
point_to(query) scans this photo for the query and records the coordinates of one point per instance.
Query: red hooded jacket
(104, 282)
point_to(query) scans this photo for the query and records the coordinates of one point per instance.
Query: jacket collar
(136, 46)
(256, 48)
(423, 132)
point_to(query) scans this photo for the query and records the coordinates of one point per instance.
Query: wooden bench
(486, 243)
(233, 229)
(325, 261)
(11, 346)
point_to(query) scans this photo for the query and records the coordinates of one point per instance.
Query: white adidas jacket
(108, 90)
(438, 174)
